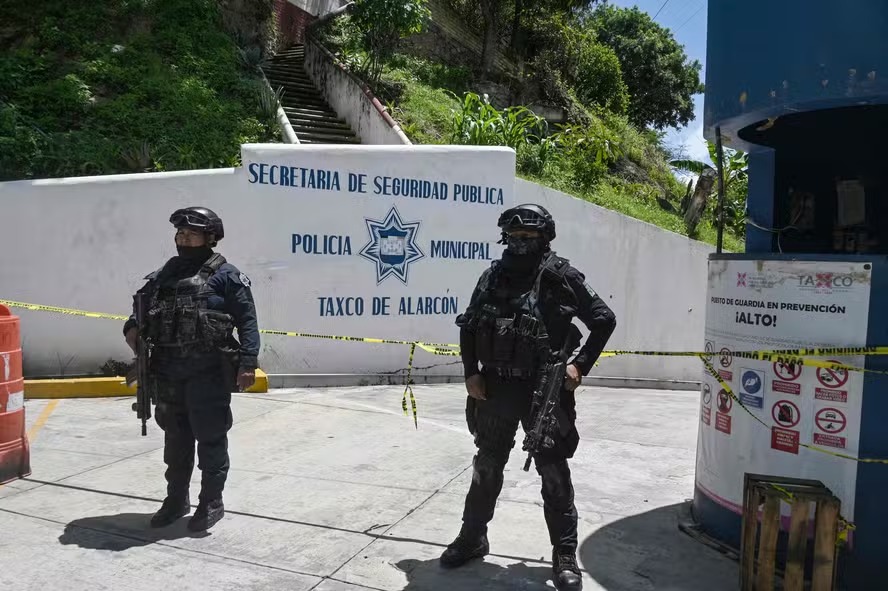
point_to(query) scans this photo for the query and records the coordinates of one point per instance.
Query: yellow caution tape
(73, 312)
(797, 356)
(69, 311)
(408, 386)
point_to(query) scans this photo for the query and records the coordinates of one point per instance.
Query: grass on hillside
(418, 94)
(124, 86)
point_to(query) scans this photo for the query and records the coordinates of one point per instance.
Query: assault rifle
(139, 374)
(547, 398)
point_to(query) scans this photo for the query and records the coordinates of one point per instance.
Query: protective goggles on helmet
(522, 219)
(192, 220)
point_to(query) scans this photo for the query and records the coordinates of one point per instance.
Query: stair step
(296, 102)
(292, 92)
(330, 138)
(313, 113)
(297, 69)
(295, 86)
(294, 73)
(293, 65)
(301, 94)
(316, 142)
(310, 128)
(320, 123)
(309, 105)
(292, 76)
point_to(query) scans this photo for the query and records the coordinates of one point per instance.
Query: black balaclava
(196, 254)
(523, 255)
(523, 245)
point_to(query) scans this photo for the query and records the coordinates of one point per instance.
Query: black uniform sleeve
(597, 317)
(239, 303)
(466, 332)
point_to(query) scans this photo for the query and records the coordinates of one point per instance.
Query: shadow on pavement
(121, 532)
(648, 552)
(428, 575)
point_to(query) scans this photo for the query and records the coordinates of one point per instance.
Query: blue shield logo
(392, 246)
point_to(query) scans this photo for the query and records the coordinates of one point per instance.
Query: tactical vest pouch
(507, 342)
(187, 324)
(215, 328)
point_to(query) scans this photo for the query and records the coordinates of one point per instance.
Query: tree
(571, 65)
(382, 24)
(490, 11)
(736, 176)
(660, 78)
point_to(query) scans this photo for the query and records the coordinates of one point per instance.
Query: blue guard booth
(802, 86)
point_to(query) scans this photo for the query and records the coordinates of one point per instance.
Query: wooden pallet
(771, 491)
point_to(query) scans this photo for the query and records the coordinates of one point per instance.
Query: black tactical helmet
(528, 216)
(199, 218)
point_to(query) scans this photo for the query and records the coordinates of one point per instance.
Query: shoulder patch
(589, 288)
(244, 279)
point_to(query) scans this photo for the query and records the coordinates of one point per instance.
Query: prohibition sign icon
(707, 394)
(724, 402)
(832, 377)
(785, 413)
(830, 420)
(726, 358)
(710, 349)
(788, 371)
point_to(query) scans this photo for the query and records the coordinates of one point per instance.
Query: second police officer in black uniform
(529, 280)
(193, 304)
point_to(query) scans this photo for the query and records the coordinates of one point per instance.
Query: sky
(686, 19)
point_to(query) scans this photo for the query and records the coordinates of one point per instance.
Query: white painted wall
(654, 280)
(350, 99)
(317, 7)
(86, 243)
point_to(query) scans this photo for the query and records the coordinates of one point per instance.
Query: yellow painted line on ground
(101, 387)
(41, 419)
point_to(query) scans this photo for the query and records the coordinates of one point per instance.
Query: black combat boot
(464, 548)
(172, 509)
(207, 514)
(565, 572)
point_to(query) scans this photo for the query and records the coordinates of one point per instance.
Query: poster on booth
(366, 241)
(768, 305)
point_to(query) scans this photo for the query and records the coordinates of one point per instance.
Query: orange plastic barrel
(15, 455)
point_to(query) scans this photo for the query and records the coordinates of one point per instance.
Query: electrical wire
(696, 12)
(661, 9)
(778, 231)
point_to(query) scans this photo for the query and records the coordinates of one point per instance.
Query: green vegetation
(605, 160)
(381, 24)
(128, 86)
(153, 85)
(660, 80)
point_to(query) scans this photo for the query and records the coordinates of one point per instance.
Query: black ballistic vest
(180, 323)
(515, 326)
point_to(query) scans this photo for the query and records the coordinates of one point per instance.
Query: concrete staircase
(313, 121)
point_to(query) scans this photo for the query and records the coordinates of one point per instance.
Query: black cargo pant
(496, 424)
(194, 405)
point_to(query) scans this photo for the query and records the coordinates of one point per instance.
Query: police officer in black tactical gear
(194, 302)
(530, 286)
